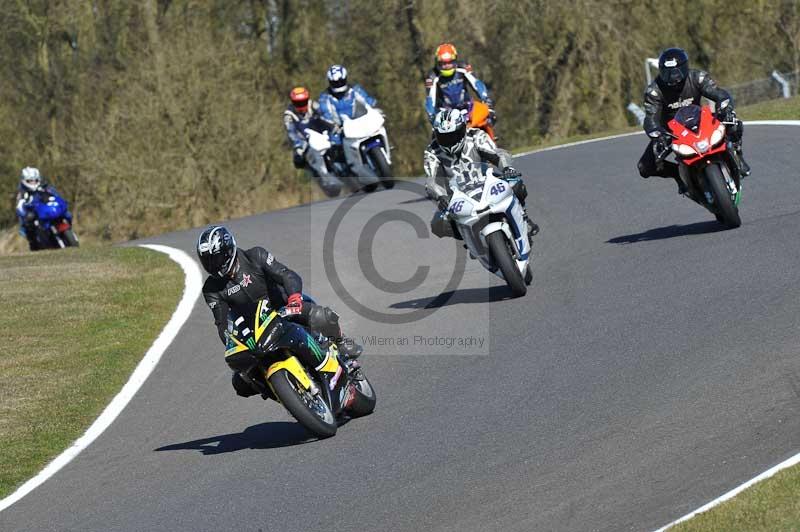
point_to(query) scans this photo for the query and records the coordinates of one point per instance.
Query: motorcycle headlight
(683, 149)
(718, 135)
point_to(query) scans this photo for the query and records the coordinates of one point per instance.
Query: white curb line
(191, 290)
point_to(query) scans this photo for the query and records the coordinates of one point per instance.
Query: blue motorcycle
(46, 220)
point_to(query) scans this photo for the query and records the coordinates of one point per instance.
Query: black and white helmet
(216, 249)
(450, 130)
(30, 178)
(337, 79)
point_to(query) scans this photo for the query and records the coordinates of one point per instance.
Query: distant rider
(302, 114)
(678, 86)
(31, 185)
(455, 147)
(341, 99)
(447, 84)
(239, 277)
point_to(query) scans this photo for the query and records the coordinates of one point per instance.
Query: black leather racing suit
(662, 102)
(258, 275)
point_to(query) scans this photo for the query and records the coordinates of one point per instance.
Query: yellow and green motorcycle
(267, 349)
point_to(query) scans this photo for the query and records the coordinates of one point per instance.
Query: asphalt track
(652, 366)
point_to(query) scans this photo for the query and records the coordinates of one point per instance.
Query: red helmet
(446, 56)
(299, 97)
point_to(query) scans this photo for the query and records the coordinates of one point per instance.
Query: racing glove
(726, 115)
(442, 203)
(294, 304)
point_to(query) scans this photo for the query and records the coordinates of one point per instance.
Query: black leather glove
(661, 145)
(442, 203)
(726, 115)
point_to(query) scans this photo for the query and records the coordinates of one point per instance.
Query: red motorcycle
(705, 161)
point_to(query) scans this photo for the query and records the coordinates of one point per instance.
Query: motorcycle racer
(678, 86)
(446, 84)
(241, 277)
(302, 114)
(31, 184)
(340, 99)
(455, 146)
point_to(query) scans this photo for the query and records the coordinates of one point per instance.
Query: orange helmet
(299, 97)
(446, 55)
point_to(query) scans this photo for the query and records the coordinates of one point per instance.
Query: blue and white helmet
(450, 130)
(30, 178)
(337, 79)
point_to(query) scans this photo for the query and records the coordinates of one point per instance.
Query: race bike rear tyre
(364, 401)
(70, 239)
(382, 166)
(727, 211)
(504, 259)
(286, 389)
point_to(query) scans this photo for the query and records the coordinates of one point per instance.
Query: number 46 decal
(457, 206)
(497, 189)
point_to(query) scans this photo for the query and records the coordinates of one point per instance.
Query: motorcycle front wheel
(382, 167)
(727, 212)
(308, 409)
(70, 238)
(504, 259)
(364, 401)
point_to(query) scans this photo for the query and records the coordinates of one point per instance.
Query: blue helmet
(337, 79)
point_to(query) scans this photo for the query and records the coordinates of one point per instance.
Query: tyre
(726, 210)
(310, 411)
(70, 238)
(504, 259)
(382, 166)
(364, 401)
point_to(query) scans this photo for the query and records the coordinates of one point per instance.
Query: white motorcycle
(366, 148)
(491, 221)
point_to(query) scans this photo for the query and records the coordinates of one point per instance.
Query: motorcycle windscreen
(689, 117)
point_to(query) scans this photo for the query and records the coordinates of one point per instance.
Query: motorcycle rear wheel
(310, 411)
(727, 211)
(504, 258)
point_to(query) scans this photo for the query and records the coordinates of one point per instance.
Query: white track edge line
(771, 471)
(735, 491)
(191, 290)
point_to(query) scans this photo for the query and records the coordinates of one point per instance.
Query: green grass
(782, 109)
(77, 322)
(768, 506)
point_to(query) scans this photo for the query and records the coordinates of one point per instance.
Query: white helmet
(30, 178)
(450, 130)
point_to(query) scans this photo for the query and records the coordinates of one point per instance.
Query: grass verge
(783, 109)
(78, 321)
(768, 506)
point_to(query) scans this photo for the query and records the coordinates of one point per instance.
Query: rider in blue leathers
(447, 84)
(341, 99)
(31, 184)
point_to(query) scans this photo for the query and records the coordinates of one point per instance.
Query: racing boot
(681, 186)
(738, 158)
(349, 348)
(533, 229)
